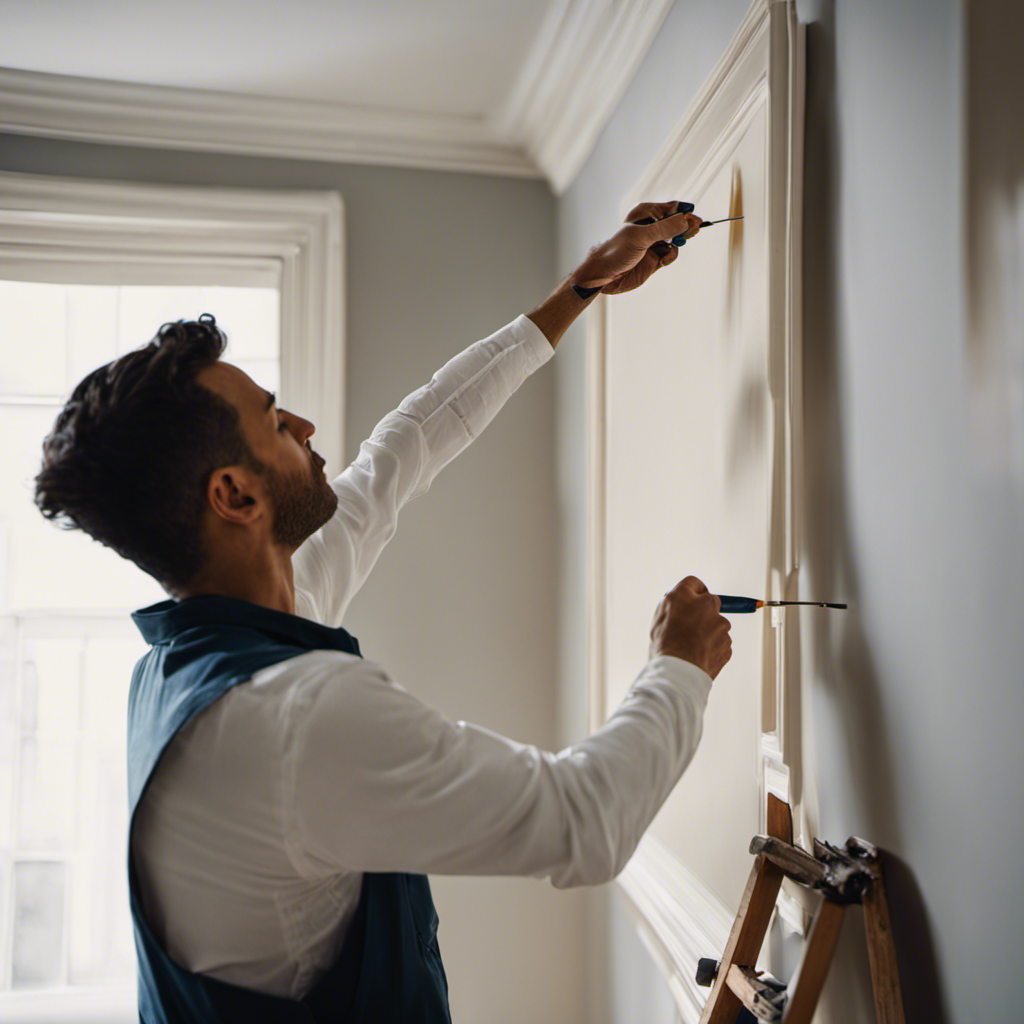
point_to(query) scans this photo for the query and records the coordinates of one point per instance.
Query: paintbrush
(732, 605)
(721, 220)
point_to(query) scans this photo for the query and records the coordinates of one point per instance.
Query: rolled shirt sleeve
(378, 781)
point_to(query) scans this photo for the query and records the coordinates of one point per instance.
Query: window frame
(79, 230)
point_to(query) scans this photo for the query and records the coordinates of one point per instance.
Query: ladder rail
(853, 875)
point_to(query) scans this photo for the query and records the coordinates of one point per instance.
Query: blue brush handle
(732, 605)
(682, 208)
(585, 293)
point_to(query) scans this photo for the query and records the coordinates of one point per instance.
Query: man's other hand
(687, 625)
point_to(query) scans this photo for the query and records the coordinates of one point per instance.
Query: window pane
(144, 309)
(49, 745)
(53, 335)
(10, 733)
(92, 330)
(33, 333)
(264, 372)
(53, 684)
(102, 946)
(250, 317)
(38, 924)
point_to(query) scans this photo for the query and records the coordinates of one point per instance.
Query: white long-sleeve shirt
(266, 808)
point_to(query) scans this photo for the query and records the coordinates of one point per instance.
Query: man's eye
(283, 425)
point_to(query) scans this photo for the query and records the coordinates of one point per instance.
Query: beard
(302, 504)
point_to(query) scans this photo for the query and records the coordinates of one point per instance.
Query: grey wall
(915, 694)
(461, 607)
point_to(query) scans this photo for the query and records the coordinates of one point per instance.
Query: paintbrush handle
(679, 240)
(732, 605)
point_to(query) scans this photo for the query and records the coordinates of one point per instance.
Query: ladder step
(764, 996)
(853, 874)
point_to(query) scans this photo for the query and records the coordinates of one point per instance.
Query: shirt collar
(162, 622)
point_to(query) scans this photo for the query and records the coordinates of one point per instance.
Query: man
(287, 798)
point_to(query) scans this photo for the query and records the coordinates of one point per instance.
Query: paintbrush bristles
(721, 220)
(815, 604)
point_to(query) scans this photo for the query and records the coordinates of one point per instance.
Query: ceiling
(508, 87)
(425, 56)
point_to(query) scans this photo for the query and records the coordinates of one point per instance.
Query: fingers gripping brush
(661, 248)
(732, 605)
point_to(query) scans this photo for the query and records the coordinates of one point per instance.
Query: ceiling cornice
(582, 60)
(579, 65)
(124, 113)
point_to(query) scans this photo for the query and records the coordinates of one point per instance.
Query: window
(81, 284)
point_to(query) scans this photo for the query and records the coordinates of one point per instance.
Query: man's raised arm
(411, 445)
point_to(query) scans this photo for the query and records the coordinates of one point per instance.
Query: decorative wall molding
(695, 130)
(225, 236)
(678, 919)
(760, 72)
(764, 57)
(579, 65)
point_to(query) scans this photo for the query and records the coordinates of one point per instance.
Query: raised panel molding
(579, 65)
(675, 913)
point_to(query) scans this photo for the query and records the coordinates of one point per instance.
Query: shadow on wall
(842, 668)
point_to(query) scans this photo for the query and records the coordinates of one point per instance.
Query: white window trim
(676, 915)
(112, 1004)
(79, 230)
(112, 232)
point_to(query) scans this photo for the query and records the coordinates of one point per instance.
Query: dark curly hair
(132, 451)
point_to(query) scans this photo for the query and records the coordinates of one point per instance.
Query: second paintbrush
(732, 605)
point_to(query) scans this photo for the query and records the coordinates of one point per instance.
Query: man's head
(167, 455)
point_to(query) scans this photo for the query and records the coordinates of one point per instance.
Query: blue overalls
(389, 970)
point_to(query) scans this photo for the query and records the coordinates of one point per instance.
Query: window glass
(67, 645)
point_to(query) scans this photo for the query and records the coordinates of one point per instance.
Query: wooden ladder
(850, 875)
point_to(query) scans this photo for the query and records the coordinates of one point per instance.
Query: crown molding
(126, 113)
(581, 62)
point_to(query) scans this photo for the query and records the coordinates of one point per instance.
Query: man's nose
(303, 429)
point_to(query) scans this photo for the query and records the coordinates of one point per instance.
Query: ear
(234, 496)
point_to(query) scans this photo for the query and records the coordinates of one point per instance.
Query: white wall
(914, 696)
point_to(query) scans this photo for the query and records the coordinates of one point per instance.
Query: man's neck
(271, 586)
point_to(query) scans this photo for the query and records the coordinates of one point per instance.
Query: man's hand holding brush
(624, 262)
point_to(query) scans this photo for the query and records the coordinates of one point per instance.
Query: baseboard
(678, 918)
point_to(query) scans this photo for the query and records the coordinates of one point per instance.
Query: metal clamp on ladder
(852, 874)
